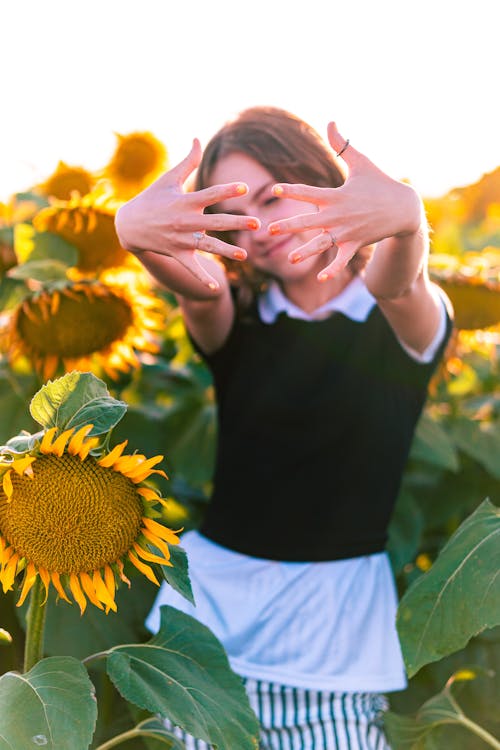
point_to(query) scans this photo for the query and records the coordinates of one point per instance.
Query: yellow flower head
(83, 326)
(138, 159)
(74, 519)
(66, 181)
(87, 223)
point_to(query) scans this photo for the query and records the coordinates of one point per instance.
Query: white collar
(354, 301)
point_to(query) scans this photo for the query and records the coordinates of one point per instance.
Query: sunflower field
(107, 443)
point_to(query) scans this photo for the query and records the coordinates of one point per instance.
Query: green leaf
(49, 245)
(433, 445)
(183, 673)
(12, 293)
(74, 400)
(52, 705)
(416, 733)
(40, 270)
(459, 596)
(481, 441)
(154, 729)
(178, 575)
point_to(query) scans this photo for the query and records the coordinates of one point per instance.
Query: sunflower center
(82, 325)
(73, 516)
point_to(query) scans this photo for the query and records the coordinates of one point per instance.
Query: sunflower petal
(76, 441)
(113, 455)
(144, 569)
(45, 576)
(162, 531)
(59, 445)
(162, 546)
(23, 465)
(29, 579)
(149, 556)
(87, 447)
(58, 586)
(46, 443)
(121, 573)
(7, 485)
(77, 592)
(9, 573)
(145, 474)
(89, 589)
(102, 592)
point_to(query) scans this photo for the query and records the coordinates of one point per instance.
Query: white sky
(415, 84)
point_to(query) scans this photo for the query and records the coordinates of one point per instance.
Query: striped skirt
(297, 719)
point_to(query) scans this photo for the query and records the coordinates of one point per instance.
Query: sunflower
(77, 325)
(66, 180)
(138, 159)
(74, 519)
(87, 223)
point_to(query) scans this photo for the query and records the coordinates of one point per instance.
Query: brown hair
(291, 151)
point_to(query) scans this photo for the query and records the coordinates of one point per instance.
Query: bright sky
(413, 83)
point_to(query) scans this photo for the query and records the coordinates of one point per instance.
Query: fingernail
(241, 189)
(213, 285)
(239, 254)
(278, 190)
(274, 230)
(323, 277)
(253, 224)
(296, 258)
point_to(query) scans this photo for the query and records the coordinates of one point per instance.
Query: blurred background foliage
(72, 298)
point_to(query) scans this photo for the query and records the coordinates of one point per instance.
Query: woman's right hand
(169, 221)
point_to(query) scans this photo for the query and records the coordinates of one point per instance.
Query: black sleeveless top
(315, 422)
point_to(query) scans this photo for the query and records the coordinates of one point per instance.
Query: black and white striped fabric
(297, 719)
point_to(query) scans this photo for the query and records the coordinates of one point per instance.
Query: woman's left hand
(369, 207)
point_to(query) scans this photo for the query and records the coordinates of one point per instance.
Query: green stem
(480, 732)
(115, 741)
(35, 621)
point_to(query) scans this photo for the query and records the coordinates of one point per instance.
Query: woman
(306, 293)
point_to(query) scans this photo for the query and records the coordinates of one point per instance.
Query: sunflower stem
(35, 625)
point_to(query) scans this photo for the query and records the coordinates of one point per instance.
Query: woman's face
(266, 252)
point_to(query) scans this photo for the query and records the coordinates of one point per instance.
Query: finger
(228, 223)
(342, 147)
(344, 254)
(297, 223)
(306, 193)
(216, 193)
(214, 245)
(190, 262)
(319, 244)
(186, 167)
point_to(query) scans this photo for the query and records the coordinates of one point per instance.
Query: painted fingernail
(213, 285)
(241, 189)
(274, 229)
(296, 258)
(278, 190)
(253, 224)
(239, 254)
(323, 277)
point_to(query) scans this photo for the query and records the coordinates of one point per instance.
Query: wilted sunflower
(137, 160)
(87, 223)
(83, 324)
(66, 180)
(74, 519)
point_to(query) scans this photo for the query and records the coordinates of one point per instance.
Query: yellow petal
(23, 465)
(76, 441)
(145, 466)
(102, 592)
(109, 580)
(77, 592)
(145, 474)
(58, 587)
(148, 493)
(161, 531)
(149, 556)
(113, 455)
(121, 573)
(87, 447)
(50, 364)
(45, 576)
(29, 579)
(89, 589)
(59, 445)
(162, 546)
(54, 303)
(46, 443)
(9, 573)
(145, 569)
(7, 485)
(129, 463)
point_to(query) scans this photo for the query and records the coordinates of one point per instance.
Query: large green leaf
(481, 441)
(183, 673)
(52, 705)
(40, 270)
(418, 732)
(459, 596)
(178, 575)
(12, 292)
(433, 445)
(74, 400)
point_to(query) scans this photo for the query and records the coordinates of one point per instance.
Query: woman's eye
(270, 200)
